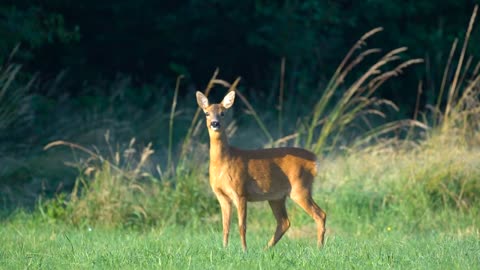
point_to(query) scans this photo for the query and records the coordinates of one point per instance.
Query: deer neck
(219, 148)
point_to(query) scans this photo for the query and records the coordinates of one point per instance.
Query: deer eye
(222, 114)
(207, 114)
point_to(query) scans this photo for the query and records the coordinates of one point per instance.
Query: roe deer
(238, 176)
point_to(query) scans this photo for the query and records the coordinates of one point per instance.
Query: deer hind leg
(304, 199)
(226, 206)
(280, 212)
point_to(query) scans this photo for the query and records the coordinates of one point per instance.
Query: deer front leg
(242, 220)
(226, 206)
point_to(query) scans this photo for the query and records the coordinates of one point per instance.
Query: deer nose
(215, 124)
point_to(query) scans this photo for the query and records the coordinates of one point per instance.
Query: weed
(118, 190)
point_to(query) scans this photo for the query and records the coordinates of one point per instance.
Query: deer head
(215, 113)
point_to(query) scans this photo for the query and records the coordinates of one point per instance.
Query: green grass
(29, 243)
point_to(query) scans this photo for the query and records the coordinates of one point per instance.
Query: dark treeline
(154, 41)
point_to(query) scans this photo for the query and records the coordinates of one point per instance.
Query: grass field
(30, 244)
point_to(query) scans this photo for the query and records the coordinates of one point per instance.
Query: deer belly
(260, 191)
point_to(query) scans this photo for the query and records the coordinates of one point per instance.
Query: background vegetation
(101, 140)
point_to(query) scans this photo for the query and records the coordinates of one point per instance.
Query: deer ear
(228, 100)
(202, 100)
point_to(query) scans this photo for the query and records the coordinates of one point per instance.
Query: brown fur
(238, 176)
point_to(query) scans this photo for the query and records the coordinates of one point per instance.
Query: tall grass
(454, 141)
(460, 115)
(357, 99)
(13, 95)
(15, 120)
(430, 183)
(115, 189)
(347, 100)
(170, 130)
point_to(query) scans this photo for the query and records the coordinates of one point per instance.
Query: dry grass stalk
(170, 132)
(357, 96)
(445, 75)
(280, 96)
(453, 86)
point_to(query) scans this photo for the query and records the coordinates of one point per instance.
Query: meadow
(401, 193)
(384, 211)
(34, 245)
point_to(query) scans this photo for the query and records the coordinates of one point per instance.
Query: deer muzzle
(215, 125)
